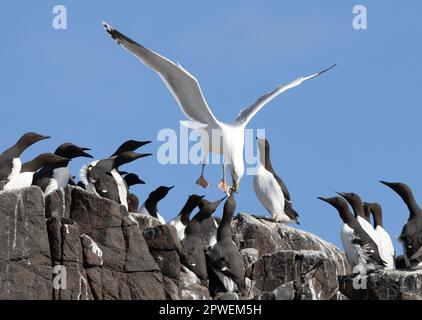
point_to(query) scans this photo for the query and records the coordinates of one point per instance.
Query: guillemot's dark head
(403, 190)
(207, 208)
(132, 179)
(336, 202)
(45, 159)
(192, 202)
(127, 157)
(30, 138)
(129, 145)
(72, 151)
(376, 210)
(159, 193)
(342, 207)
(355, 201)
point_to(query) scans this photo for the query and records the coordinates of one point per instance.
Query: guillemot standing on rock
(224, 257)
(385, 244)
(182, 219)
(26, 175)
(187, 92)
(411, 235)
(150, 205)
(357, 205)
(127, 146)
(51, 177)
(359, 247)
(271, 190)
(192, 253)
(10, 163)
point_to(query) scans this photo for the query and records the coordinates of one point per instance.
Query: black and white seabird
(10, 163)
(132, 179)
(209, 226)
(51, 177)
(182, 219)
(26, 175)
(98, 177)
(356, 203)
(150, 205)
(127, 146)
(192, 252)
(224, 256)
(411, 235)
(385, 244)
(361, 250)
(271, 190)
(187, 92)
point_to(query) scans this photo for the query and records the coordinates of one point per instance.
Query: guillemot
(182, 219)
(26, 175)
(10, 163)
(150, 205)
(410, 236)
(192, 253)
(224, 256)
(51, 177)
(271, 190)
(356, 203)
(361, 251)
(385, 244)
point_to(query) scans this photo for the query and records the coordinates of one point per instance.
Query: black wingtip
(328, 69)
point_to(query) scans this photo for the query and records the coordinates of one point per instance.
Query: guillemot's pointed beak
(85, 154)
(328, 200)
(388, 184)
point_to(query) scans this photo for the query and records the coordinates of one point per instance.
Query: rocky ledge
(74, 245)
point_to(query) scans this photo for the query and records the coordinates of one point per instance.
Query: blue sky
(344, 131)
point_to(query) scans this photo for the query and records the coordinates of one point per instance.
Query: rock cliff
(74, 245)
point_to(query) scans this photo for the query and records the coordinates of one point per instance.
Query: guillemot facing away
(357, 205)
(150, 205)
(271, 190)
(192, 253)
(187, 92)
(411, 235)
(51, 177)
(360, 249)
(26, 175)
(182, 219)
(385, 244)
(10, 163)
(224, 257)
